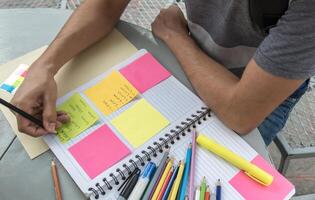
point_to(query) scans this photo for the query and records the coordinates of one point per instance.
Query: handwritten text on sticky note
(111, 93)
(82, 117)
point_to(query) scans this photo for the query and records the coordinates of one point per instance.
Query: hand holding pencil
(37, 97)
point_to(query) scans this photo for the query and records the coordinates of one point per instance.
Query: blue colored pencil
(182, 193)
(170, 184)
(218, 190)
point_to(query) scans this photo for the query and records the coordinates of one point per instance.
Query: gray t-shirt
(225, 31)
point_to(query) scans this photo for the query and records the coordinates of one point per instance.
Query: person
(248, 77)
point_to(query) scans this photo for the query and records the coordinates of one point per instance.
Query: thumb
(49, 112)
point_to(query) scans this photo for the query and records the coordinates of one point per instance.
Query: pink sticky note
(145, 72)
(24, 74)
(250, 189)
(99, 151)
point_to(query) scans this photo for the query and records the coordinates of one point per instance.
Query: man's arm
(242, 104)
(37, 95)
(93, 20)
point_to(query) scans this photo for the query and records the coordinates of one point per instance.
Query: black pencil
(22, 113)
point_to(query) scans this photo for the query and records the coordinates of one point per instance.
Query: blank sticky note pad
(145, 72)
(99, 151)
(82, 117)
(248, 188)
(111, 93)
(140, 122)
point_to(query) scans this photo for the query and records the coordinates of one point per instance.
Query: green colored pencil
(203, 189)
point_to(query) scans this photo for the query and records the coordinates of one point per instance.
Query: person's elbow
(241, 123)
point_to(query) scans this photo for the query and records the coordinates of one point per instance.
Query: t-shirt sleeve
(289, 49)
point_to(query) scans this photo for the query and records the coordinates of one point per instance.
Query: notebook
(129, 115)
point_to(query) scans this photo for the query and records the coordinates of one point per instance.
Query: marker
(143, 182)
(129, 185)
(155, 179)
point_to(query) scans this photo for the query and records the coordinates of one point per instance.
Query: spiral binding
(157, 147)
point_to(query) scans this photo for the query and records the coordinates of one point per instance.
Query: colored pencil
(192, 167)
(172, 190)
(165, 184)
(54, 174)
(218, 190)
(183, 188)
(197, 193)
(156, 177)
(207, 196)
(203, 189)
(163, 177)
(170, 184)
(178, 180)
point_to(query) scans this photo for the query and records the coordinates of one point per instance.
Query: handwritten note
(99, 151)
(111, 93)
(82, 117)
(145, 72)
(139, 123)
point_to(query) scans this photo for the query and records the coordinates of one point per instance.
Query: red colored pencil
(207, 195)
(164, 186)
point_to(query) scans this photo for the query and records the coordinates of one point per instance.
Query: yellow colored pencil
(163, 177)
(169, 196)
(178, 180)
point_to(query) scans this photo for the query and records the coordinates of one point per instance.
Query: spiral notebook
(129, 115)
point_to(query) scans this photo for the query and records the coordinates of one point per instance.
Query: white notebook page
(172, 99)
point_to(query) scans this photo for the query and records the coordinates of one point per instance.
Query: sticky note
(139, 123)
(82, 117)
(111, 93)
(7, 88)
(15, 79)
(248, 188)
(99, 151)
(145, 72)
(18, 82)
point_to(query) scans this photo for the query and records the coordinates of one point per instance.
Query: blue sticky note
(8, 88)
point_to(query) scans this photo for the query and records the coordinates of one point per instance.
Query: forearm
(93, 20)
(212, 81)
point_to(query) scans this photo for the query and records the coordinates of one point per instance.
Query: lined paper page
(164, 97)
(210, 165)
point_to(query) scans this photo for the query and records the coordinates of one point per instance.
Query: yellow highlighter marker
(178, 180)
(250, 169)
(163, 177)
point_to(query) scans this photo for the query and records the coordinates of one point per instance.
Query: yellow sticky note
(111, 93)
(18, 82)
(139, 123)
(82, 117)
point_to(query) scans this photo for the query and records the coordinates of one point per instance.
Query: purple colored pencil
(192, 167)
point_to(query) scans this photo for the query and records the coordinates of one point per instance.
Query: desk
(22, 178)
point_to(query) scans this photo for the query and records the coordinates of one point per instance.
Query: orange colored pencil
(54, 174)
(164, 186)
(207, 195)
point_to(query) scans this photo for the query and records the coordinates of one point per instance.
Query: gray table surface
(23, 30)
